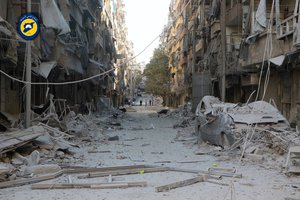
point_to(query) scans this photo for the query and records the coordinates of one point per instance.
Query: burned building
(77, 41)
(237, 50)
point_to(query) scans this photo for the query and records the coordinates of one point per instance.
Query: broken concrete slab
(252, 113)
(31, 160)
(13, 140)
(41, 169)
(257, 112)
(53, 143)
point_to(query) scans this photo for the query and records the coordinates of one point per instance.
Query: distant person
(150, 103)
(141, 102)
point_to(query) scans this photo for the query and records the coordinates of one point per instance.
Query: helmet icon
(28, 27)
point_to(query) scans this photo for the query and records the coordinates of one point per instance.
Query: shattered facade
(124, 49)
(261, 51)
(78, 39)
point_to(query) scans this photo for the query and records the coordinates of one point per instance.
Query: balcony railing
(286, 27)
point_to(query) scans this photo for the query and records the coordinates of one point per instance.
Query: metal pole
(131, 84)
(223, 48)
(194, 86)
(28, 76)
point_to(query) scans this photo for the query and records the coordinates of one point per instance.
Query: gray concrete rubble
(138, 149)
(55, 140)
(245, 124)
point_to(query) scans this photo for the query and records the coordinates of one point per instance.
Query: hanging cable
(82, 80)
(267, 53)
(267, 79)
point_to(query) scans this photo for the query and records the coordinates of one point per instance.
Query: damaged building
(238, 50)
(78, 40)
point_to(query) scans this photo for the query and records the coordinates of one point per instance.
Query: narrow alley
(150, 99)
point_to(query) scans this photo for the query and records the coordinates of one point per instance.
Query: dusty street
(145, 139)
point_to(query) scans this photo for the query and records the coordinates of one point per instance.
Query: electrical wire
(267, 79)
(82, 80)
(267, 53)
(92, 77)
(62, 83)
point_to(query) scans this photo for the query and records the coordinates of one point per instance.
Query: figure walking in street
(141, 102)
(150, 103)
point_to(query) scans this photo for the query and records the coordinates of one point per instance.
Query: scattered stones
(60, 154)
(34, 158)
(255, 157)
(114, 138)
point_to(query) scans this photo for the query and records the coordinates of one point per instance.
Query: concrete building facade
(78, 40)
(252, 44)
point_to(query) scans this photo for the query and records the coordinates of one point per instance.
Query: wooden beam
(88, 185)
(21, 182)
(26, 181)
(213, 173)
(179, 184)
(125, 172)
(72, 170)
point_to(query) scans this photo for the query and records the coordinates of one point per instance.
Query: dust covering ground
(145, 138)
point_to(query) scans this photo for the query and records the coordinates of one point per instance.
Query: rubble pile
(54, 140)
(184, 115)
(257, 124)
(78, 124)
(268, 139)
(183, 111)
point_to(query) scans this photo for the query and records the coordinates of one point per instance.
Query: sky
(145, 20)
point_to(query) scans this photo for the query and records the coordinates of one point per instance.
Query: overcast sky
(145, 20)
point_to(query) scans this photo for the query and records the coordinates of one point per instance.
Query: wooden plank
(214, 173)
(125, 172)
(21, 182)
(96, 151)
(72, 170)
(110, 186)
(88, 185)
(179, 184)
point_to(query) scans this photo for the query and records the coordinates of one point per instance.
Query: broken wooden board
(74, 170)
(211, 173)
(178, 184)
(82, 169)
(13, 140)
(88, 185)
(21, 182)
(125, 172)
